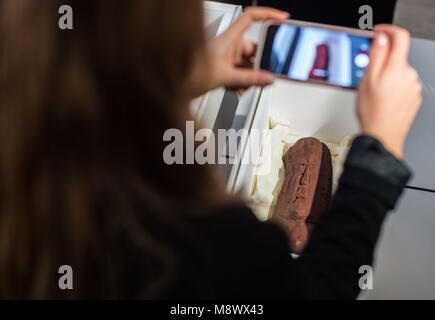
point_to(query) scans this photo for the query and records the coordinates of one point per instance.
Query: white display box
(324, 112)
(218, 17)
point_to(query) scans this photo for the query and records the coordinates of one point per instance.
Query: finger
(244, 52)
(400, 43)
(415, 99)
(418, 103)
(240, 92)
(379, 54)
(248, 48)
(246, 63)
(299, 238)
(266, 13)
(253, 14)
(237, 90)
(413, 75)
(418, 89)
(246, 78)
(413, 110)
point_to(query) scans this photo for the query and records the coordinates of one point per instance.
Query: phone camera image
(316, 54)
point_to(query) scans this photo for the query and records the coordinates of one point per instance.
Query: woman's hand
(227, 60)
(390, 91)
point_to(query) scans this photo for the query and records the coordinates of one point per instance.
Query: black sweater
(245, 258)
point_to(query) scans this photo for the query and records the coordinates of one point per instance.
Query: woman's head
(82, 116)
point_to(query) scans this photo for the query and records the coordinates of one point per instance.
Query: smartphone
(312, 52)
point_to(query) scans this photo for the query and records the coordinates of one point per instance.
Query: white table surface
(420, 145)
(405, 258)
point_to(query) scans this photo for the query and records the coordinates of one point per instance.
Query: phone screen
(315, 54)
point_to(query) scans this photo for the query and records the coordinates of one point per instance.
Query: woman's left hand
(228, 58)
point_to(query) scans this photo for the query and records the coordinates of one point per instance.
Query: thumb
(245, 78)
(379, 54)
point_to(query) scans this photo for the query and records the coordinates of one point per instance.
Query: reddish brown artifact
(306, 191)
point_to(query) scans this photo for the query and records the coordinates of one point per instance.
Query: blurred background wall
(418, 16)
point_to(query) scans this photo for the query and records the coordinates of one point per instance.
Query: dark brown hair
(82, 116)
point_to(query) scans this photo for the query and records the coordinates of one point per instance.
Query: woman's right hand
(390, 91)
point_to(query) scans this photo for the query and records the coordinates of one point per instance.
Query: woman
(83, 182)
